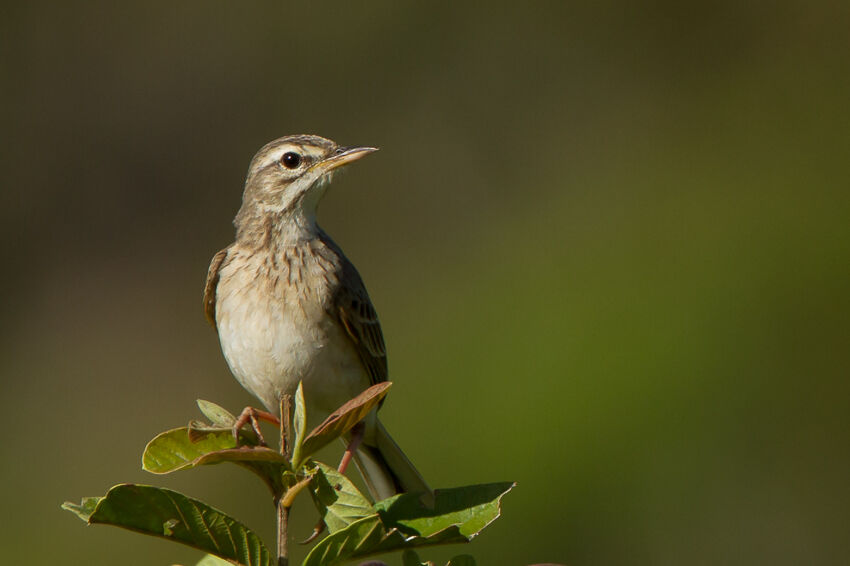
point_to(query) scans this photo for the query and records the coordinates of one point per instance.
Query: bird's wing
(355, 312)
(212, 283)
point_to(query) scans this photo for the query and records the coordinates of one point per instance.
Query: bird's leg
(254, 416)
(353, 444)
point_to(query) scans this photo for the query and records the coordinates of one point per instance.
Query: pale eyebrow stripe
(274, 155)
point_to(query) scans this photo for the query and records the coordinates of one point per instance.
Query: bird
(289, 307)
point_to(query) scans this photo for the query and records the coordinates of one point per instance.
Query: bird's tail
(387, 470)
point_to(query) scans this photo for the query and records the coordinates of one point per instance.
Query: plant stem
(285, 420)
(282, 533)
(283, 510)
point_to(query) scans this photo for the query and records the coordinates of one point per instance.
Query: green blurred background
(609, 244)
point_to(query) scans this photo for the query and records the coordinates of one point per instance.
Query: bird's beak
(344, 156)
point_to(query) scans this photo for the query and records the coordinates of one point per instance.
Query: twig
(282, 509)
(282, 534)
(285, 419)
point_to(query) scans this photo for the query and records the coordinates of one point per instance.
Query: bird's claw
(254, 416)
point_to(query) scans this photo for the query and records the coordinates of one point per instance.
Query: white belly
(272, 340)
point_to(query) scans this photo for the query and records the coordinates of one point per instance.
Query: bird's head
(291, 174)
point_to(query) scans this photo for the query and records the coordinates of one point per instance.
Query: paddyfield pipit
(289, 307)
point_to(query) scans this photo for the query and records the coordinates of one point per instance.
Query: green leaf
(299, 425)
(212, 560)
(342, 420)
(171, 515)
(177, 449)
(365, 535)
(411, 558)
(337, 499)
(470, 508)
(462, 560)
(218, 415)
(402, 521)
(84, 509)
(174, 450)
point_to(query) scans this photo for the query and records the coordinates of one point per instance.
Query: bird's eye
(290, 160)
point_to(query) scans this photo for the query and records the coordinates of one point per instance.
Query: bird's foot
(254, 416)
